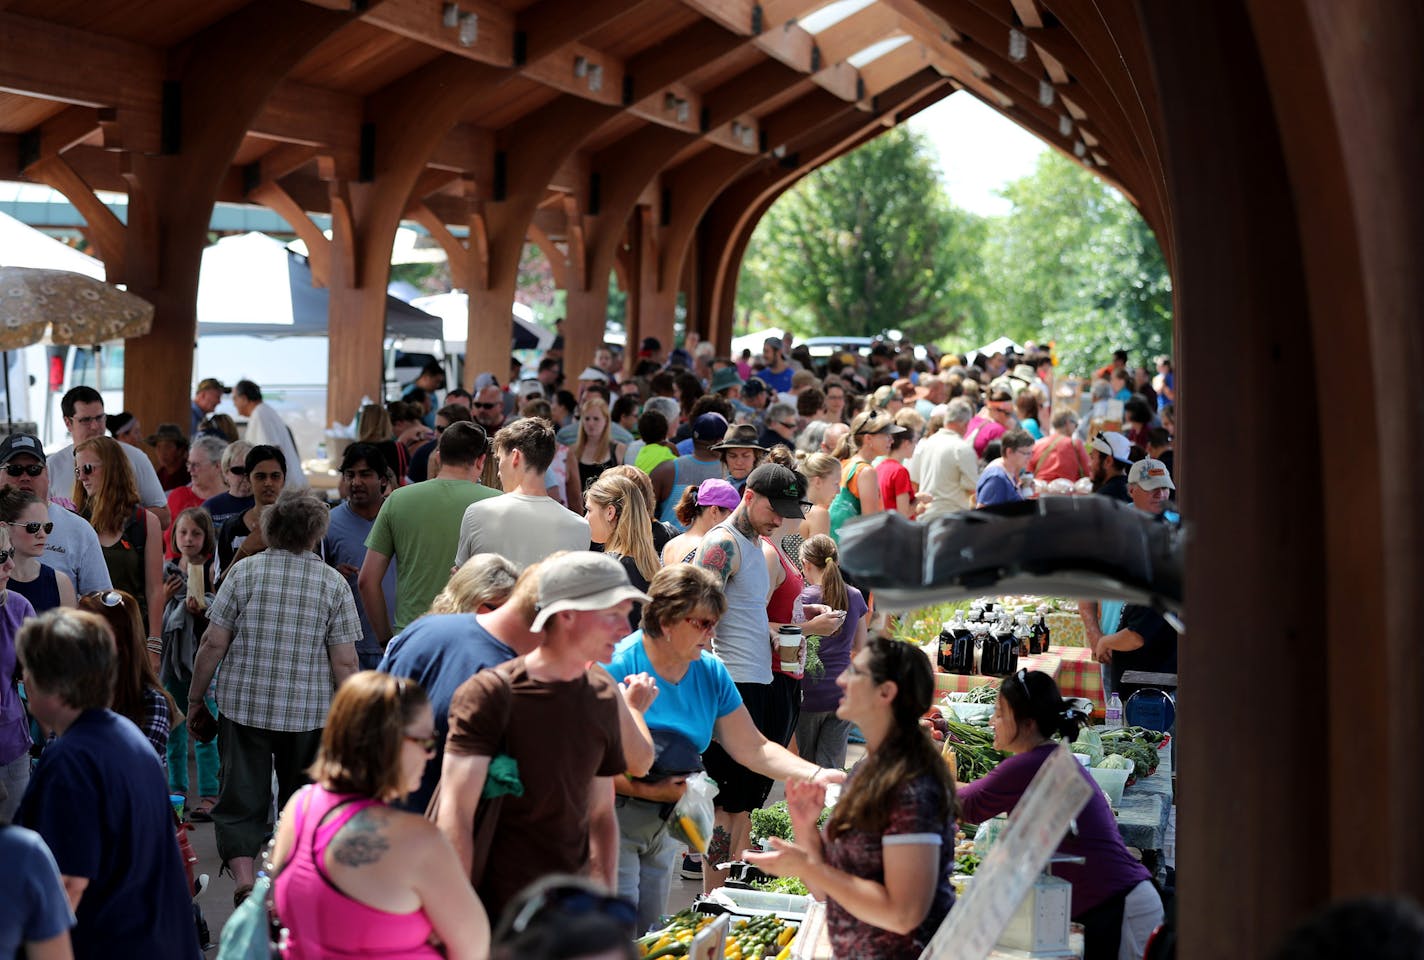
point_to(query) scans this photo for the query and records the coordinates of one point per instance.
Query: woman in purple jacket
(1113, 895)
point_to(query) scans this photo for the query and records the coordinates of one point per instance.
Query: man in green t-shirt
(420, 524)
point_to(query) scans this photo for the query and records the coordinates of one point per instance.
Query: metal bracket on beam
(251, 177)
(521, 48)
(27, 149)
(704, 120)
(170, 136)
(627, 89)
(366, 154)
(665, 213)
(758, 20)
(815, 57)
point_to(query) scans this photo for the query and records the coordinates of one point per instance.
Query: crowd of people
(477, 685)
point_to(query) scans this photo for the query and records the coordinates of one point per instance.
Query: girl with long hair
(358, 877)
(618, 519)
(872, 433)
(184, 621)
(27, 518)
(138, 694)
(821, 736)
(884, 859)
(823, 482)
(595, 449)
(106, 495)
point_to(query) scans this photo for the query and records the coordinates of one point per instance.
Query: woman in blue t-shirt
(696, 700)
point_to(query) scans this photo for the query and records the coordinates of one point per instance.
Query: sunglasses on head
(109, 598)
(32, 527)
(574, 901)
(24, 469)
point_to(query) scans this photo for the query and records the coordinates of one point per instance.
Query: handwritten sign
(1036, 828)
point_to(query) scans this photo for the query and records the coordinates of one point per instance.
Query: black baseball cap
(785, 488)
(17, 443)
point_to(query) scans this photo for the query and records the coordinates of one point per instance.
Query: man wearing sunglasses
(83, 410)
(73, 546)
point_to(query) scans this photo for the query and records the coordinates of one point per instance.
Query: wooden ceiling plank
(298, 113)
(885, 72)
(1055, 69)
(64, 130)
(735, 15)
(550, 25)
(666, 62)
(55, 62)
(581, 71)
(856, 32)
(1028, 13)
(424, 20)
(745, 91)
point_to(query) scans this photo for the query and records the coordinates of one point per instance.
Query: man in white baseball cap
(555, 713)
(1109, 457)
(1150, 485)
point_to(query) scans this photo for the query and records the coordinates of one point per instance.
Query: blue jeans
(646, 853)
(178, 751)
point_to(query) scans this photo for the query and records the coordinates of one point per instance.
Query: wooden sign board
(1036, 827)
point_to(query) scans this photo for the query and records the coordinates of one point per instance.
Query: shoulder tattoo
(363, 840)
(715, 553)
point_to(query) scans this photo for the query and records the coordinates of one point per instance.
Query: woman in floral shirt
(884, 859)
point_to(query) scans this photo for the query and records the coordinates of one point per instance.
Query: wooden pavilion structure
(1273, 146)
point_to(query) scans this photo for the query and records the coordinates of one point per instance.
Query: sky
(979, 151)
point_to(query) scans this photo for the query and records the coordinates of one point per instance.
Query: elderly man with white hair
(945, 468)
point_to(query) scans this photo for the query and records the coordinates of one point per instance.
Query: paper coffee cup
(789, 648)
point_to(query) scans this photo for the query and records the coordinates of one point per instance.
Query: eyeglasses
(86, 469)
(90, 421)
(196, 465)
(574, 901)
(485, 406)
(5, 556)
(32, 527)
(706, 626)
(237, 471)
(24, 469)
(425, 743)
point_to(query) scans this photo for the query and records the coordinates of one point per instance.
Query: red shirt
(1067, 459)
(894, 480)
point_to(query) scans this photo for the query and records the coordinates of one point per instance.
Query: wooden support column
(527, 154)
(171, 196)
(1240, 278)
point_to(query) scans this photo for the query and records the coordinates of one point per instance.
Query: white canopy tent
(23, 246)
(454, 309)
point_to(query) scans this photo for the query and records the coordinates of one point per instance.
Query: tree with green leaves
(867, 243)
(1074, 262)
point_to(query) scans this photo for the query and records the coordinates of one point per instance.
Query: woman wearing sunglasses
(883, 861)
(26, 517)
(106, 494)
(696, 699)
(357, 877)
(1113, 895)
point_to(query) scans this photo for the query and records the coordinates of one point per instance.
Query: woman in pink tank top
(357, 877)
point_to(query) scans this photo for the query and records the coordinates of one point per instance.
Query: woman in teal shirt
(696, 700)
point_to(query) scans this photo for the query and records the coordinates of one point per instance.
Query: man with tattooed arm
(745, 641)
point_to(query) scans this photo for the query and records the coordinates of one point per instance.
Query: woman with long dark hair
(1113, 896)
(883, 861)
(106, 494)
(138, 694)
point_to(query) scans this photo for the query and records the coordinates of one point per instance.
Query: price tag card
(711, 941)
(1036, 827)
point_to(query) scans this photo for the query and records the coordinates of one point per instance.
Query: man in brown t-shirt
(555, 711)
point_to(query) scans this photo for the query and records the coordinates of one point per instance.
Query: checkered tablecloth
(1079, 675)
(1073, 667)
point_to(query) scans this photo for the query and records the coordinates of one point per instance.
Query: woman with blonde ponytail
(618, 519)
(821, 736)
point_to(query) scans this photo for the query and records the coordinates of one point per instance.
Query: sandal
(203, 812)
(240, 894)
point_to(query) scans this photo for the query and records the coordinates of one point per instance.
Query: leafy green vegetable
(775, 821)
(815, 668)
(788, 885)
(1093, 745)
(966, 863)
(1114, 761)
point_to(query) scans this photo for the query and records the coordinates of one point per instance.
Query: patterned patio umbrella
(72, 308)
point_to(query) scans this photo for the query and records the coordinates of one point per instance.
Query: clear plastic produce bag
(692, 817)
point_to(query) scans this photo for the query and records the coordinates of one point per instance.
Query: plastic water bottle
(1112, 716)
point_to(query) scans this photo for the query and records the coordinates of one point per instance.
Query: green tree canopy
(865, 244)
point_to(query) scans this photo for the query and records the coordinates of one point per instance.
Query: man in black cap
(205, 400)
(672, 477)
(744, 642)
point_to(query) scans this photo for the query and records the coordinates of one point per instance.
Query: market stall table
(1048, 663)
(1145, 811)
